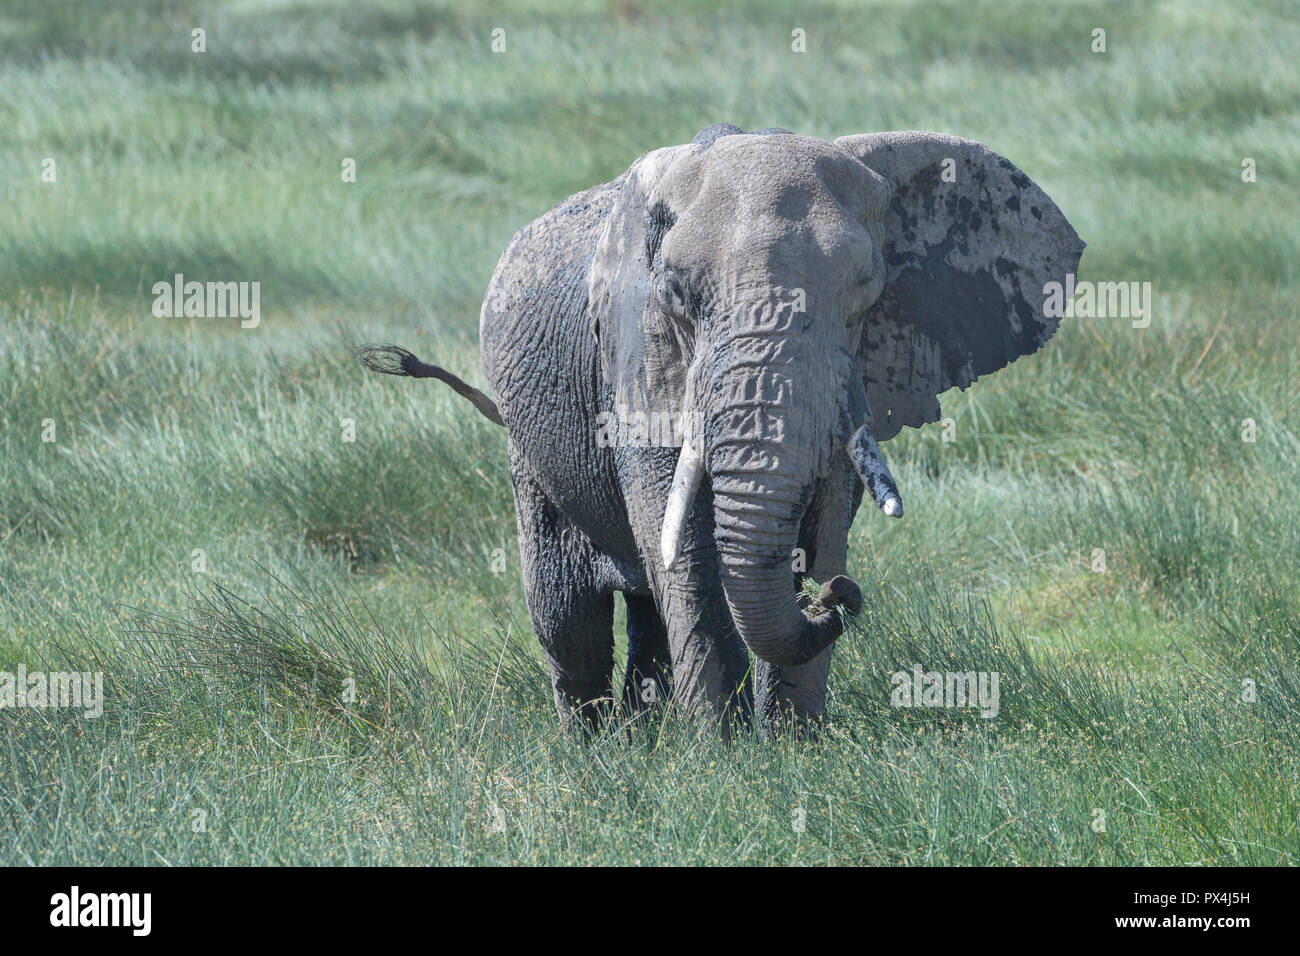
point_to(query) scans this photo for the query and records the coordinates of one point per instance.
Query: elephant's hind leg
(649, 660)
(572, 613)
(578, 642)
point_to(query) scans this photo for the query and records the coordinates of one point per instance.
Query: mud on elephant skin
(695, 365)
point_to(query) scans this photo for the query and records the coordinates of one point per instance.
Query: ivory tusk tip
(893, 507)
(670, 550)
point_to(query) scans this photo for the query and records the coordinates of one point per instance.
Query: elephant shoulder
(548, 248)
(538, 293)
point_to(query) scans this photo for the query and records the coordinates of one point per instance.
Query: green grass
(373, 564)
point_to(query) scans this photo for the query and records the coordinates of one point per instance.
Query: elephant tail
(394, 360)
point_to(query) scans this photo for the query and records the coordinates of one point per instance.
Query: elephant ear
(640, 350)
(970, 244)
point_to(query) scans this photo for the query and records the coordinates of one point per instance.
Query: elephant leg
(649, 661)
(794, 698)
(710, 663)
(572, 615)
(578, 642)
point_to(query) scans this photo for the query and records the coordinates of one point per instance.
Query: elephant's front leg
(795, 697)
(710, 664)
(572, 614)
(792, 698)
(709, 661)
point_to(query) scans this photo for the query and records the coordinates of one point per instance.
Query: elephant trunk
(769, 440)
(757, 525)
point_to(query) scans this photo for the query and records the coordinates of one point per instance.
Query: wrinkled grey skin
(676, 288)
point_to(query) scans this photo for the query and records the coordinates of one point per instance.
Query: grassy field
(1127, 733)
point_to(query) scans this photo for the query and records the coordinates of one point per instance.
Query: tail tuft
(390, 360)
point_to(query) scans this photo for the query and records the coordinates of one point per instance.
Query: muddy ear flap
(639, 357)
(970, 246)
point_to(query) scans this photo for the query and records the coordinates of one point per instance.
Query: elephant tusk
(686, 481)
(871, 468)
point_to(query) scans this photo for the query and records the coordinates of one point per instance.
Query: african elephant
(694, 364)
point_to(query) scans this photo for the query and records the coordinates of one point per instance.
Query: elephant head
(793, 300)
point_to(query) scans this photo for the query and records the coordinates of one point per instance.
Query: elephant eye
(671, 293)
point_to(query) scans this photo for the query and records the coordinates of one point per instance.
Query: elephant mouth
(778, 623)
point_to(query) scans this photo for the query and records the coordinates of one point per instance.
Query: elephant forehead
(769, 269)
(768, 200)
(786, 176)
